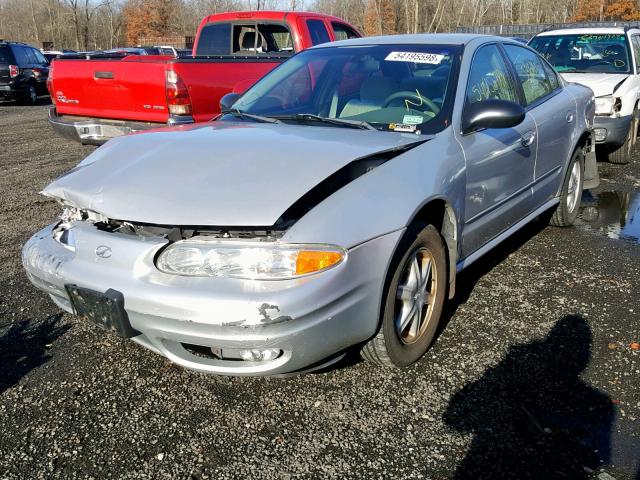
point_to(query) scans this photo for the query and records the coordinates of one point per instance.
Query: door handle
(569, 117)
(528, 139)
(103, 75)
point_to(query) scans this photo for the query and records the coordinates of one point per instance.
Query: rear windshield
(245, 39)
(5, 54)
(587, 53)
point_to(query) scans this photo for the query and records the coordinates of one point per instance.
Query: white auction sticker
(415, 57)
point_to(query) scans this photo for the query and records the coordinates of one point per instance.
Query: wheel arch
(441, 214)
(585, 141)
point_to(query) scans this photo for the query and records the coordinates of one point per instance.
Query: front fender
(388, 197)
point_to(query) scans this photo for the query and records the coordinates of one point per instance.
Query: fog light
(600, 134)
(260, 355)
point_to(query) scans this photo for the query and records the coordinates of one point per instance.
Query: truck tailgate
(208, 79)
(132, 88)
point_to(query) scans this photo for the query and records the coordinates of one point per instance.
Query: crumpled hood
(600, 83)
(215, 174)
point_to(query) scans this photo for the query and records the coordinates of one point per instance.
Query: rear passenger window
(21, 55)
(318, 32)
(489, 77)
(531, 73)
(215, 39)
(40, 57)
(343, 32)
(551, 75)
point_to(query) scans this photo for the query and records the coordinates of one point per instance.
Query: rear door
(40, 70)
(554, 111)
(500, 161)
(25, 66)
(343, 32)
(317, 31)
(6, 59)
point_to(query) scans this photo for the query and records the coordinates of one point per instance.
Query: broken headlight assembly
(608, 105)
(247, 260)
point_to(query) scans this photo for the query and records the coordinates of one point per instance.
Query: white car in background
(607, 60)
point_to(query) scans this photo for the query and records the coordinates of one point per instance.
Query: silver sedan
(330, 207)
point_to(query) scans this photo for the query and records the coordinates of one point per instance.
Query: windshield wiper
(343, 122)
(258, 118)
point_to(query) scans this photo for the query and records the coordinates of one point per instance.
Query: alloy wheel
(416, 296)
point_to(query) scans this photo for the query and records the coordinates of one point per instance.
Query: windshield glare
(587, 53)
(392, 87)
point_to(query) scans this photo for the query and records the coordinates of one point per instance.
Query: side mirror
(491, 114)
(227, 101)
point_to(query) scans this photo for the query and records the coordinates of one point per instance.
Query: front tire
(567, 210)
(413, 301)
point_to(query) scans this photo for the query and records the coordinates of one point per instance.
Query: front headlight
(607, 105)
(248, 260)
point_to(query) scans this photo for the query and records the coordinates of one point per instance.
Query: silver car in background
(331, 206)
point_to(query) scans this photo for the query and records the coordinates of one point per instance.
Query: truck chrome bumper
(96, 131)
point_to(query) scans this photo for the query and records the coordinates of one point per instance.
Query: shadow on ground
(531, 416)
(24, 347)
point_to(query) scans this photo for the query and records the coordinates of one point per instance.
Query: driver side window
(489, 77)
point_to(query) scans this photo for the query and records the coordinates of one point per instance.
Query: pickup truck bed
(103, 96)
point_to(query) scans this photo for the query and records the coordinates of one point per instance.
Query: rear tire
(413, 301)
(567, 210)
(31, 95)
(622, 155)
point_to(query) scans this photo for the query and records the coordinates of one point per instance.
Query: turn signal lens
(310, 261)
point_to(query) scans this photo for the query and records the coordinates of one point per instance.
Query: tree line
(102, 24)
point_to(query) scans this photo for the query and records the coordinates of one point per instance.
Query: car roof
(584, 30)
(420, 38)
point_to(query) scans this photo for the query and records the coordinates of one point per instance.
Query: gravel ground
(533, 376)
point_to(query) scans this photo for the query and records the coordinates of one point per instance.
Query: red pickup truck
(99, 97)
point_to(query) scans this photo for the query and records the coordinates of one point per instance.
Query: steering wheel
(413, 98)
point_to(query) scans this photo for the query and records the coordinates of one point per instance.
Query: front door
(500, 162)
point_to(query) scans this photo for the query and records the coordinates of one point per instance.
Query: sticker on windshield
(415, 57)
(402, 127)
(412, 119)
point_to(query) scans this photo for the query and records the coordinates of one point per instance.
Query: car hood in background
(600, 83)
(216, 174)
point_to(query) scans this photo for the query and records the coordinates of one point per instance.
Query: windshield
(587, 53)
(407, 88)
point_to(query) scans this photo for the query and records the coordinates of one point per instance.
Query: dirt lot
(534, 375)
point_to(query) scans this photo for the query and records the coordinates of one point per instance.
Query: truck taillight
(178, 99)
(14, 71)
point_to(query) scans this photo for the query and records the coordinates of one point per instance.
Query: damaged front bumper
(307, 319)
(96, 131)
